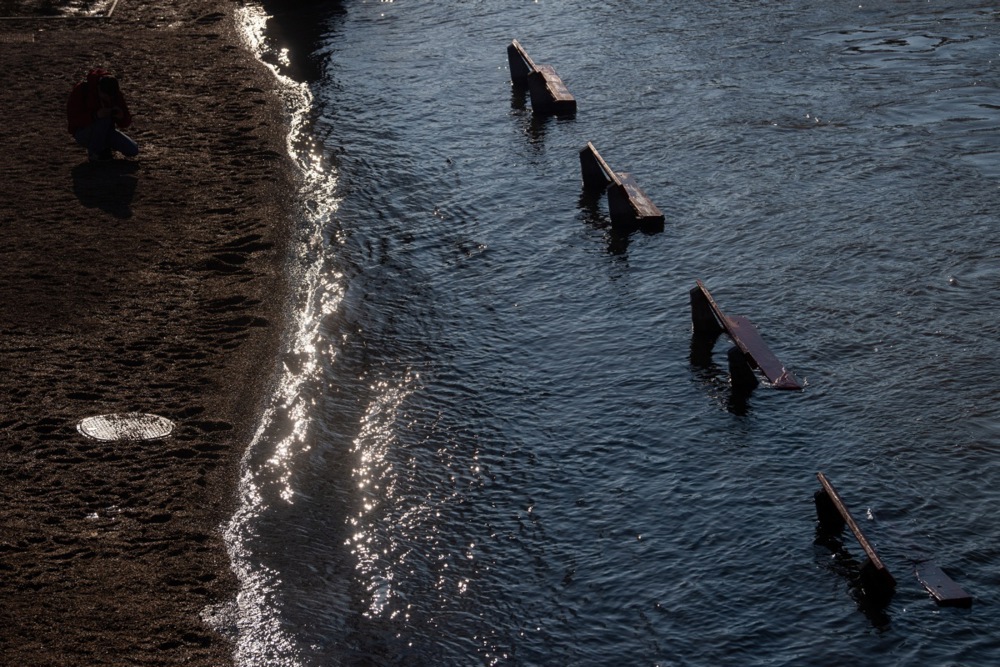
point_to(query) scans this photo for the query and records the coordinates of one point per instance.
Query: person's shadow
(109, 186)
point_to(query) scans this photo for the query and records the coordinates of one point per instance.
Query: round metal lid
(126, 426)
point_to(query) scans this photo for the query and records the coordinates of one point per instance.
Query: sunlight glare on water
(376, 480)
(283, 436)
(495, 440)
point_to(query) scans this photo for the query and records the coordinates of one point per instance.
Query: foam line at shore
(267, 467)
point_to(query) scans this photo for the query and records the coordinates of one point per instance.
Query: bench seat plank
(941, 587)
(744, 333)
(548, 92)
(644, 207)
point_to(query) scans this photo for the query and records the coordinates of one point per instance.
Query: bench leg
(743, 378)
(826, 511)
(878, 588)
(704, 320)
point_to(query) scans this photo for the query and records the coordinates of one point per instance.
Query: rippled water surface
(493, 441)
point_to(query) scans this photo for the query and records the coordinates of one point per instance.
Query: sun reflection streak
(282, 436)
(377, 480)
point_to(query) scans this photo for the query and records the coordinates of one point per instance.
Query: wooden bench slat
(852, 524)
(597, 175)
(516, 45)
(745, 336)
(548, 93)
(627, 203)
(719, 315)
(645, 209)
(608, 171)
(876, 582)
(941, 587)
(557, 89)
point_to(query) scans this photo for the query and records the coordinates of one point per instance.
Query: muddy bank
(151, 285)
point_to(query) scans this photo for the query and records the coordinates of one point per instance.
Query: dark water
(492, 443)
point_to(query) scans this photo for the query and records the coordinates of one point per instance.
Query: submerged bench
(876, 581)
(751, 350)
(628, 205)
(549, 94)
(833, 516)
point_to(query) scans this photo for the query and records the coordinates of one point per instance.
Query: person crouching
(97, 113)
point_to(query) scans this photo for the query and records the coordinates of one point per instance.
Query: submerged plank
(744, 333)
(941, 587)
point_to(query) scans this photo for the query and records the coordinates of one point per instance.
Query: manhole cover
(127, 426)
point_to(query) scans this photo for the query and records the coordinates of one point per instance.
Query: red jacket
(84, 102)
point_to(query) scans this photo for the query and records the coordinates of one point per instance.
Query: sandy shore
(153, 285)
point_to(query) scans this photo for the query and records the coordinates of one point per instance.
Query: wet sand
(155, 285)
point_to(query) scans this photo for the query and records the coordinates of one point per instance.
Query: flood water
(492, 440)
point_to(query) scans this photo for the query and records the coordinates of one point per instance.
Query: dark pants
(102, 135)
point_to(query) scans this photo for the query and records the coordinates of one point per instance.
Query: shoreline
(156, 285)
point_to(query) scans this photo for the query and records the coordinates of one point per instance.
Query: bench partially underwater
(549, 94)
(876, 582)
(630, 208)
(749, 353)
